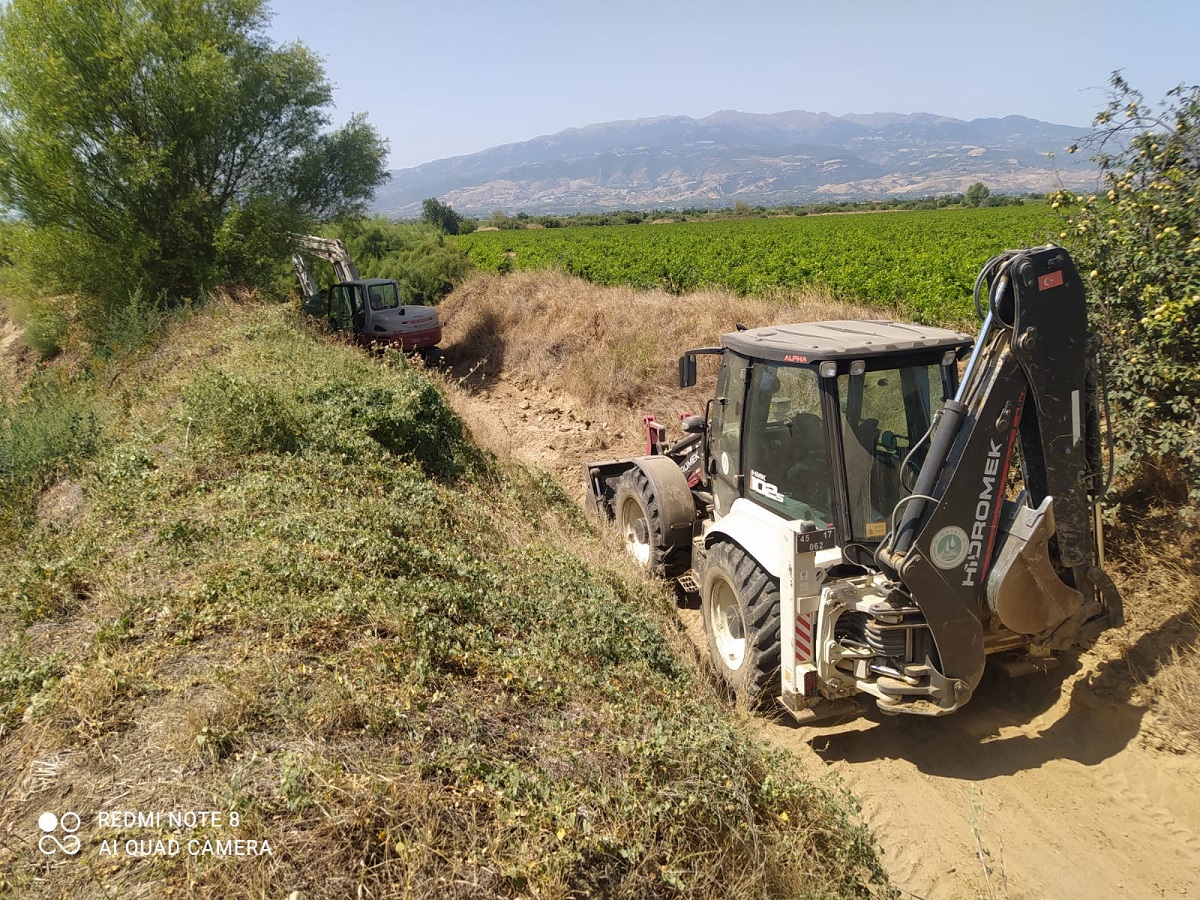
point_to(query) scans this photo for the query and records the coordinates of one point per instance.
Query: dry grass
(1161, 643)
(604, 345)
(1155, 561)
(1176, 689)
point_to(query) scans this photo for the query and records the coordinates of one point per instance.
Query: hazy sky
(446, 78)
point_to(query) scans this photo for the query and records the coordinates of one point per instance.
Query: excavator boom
(331, 250)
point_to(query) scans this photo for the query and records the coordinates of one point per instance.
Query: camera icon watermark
(49, 843)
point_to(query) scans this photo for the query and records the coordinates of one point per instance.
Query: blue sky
(441, 79)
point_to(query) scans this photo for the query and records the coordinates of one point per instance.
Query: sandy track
(1049, 781)
(1052, 780)
(9, 335)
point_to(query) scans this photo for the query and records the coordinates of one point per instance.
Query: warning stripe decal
(804, 641)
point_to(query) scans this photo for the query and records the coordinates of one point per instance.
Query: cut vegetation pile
(283, 584)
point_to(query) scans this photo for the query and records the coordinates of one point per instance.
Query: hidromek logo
(983, 511)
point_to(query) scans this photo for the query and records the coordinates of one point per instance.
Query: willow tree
(157, 147)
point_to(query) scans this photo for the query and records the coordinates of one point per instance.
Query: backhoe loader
(861, 524)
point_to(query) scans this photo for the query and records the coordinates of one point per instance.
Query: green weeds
(50, 429)
(21, 678)
(309, 600)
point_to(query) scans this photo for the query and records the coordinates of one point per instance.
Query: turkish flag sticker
(1050, 280)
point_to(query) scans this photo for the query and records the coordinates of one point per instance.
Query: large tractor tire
(654, 513)
(739, 602)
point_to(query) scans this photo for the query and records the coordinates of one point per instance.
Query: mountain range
(770, 159)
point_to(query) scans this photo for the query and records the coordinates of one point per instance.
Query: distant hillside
(769, 159)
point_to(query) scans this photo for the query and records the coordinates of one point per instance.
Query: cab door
(724, 444)
(358, 307)
(341, 317)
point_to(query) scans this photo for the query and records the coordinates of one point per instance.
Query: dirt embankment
(1067, 784)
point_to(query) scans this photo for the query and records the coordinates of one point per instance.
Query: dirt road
(1053, 785)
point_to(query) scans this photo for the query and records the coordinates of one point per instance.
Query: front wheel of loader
(655, 527)
(739, 603)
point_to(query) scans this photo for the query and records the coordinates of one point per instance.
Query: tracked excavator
(863, 525)
(367, 308)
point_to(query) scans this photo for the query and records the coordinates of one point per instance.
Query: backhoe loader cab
(858, 523)
(821, 421)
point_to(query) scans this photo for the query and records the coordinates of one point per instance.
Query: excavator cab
(345, 310)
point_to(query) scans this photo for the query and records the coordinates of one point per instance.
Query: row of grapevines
(920, 263)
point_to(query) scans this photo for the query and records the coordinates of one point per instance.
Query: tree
(1139, 242)
(165, 146)
(978, 194)
(416, 255)
(441, 216)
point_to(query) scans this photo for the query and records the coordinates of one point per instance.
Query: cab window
(885, 414)
(383, 296)
(725, 432)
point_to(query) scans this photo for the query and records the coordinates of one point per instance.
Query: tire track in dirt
(1067, 804)
(1039, 788)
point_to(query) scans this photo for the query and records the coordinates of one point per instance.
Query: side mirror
(687, 364)
(687, 370)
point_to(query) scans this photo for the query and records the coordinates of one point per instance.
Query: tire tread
(756, 682)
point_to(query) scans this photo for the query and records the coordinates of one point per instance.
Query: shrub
(129, 326)
(417, 256)
(1140, 243)
(43, 324)
(50, 427)
(243, 416)
(406, 420)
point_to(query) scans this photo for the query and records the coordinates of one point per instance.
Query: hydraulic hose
(939, 449)
(1108, 434)
(900, 540)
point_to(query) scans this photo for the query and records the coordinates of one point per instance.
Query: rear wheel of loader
(739, 602)
(646, 526)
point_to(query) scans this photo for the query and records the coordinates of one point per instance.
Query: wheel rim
(725, 624)
(637, 541)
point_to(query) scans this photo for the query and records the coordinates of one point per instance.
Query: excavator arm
(980, 552)
(328, 249)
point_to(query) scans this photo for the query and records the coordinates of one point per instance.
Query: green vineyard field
(921, 264)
